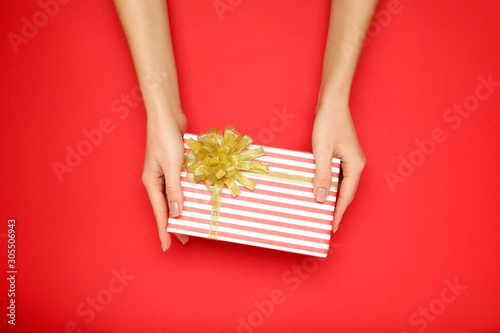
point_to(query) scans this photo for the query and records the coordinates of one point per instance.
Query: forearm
(146, 26)
(349, 20)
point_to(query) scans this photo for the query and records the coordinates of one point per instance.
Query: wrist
(161, 105)
(166, 114)
(334, 94)
(333, 101)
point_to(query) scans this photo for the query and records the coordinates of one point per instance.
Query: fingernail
(334, 231)
(163, 248)
(174, 208)
(321, 194)
(183, 238)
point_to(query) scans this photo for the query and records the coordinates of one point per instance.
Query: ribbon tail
(216, 203)
(250, 184)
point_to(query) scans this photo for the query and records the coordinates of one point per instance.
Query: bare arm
(349, 21)
(333, 133)
(147, 29)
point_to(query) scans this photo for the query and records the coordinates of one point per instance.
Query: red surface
(396, 250)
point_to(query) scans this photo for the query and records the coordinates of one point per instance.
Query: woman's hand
(334, 136)
(162, 169)
(147, 29)
(333, 133)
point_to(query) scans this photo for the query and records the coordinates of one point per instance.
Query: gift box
(275, 207)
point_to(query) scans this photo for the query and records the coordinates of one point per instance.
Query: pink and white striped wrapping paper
(276, 215)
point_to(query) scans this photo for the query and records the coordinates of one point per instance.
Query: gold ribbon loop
(217, 159)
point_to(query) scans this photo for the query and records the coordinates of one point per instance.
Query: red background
(395, 247)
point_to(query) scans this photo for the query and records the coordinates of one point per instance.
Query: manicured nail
(321, 194)
(183, 238)
(174, 209)
(163, 248)
(334, 231)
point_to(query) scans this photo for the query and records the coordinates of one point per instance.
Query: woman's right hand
(162, 168)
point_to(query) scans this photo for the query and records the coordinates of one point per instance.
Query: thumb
(323, 176)
(173, 191)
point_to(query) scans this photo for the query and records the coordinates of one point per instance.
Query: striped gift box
(278, 214)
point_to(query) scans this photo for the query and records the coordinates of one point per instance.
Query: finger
(159, 204)
(175, 196)
(347, 189)
(183, 238)
(173, 189)
(323, 175)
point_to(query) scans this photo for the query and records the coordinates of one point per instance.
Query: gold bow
(218, 159)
